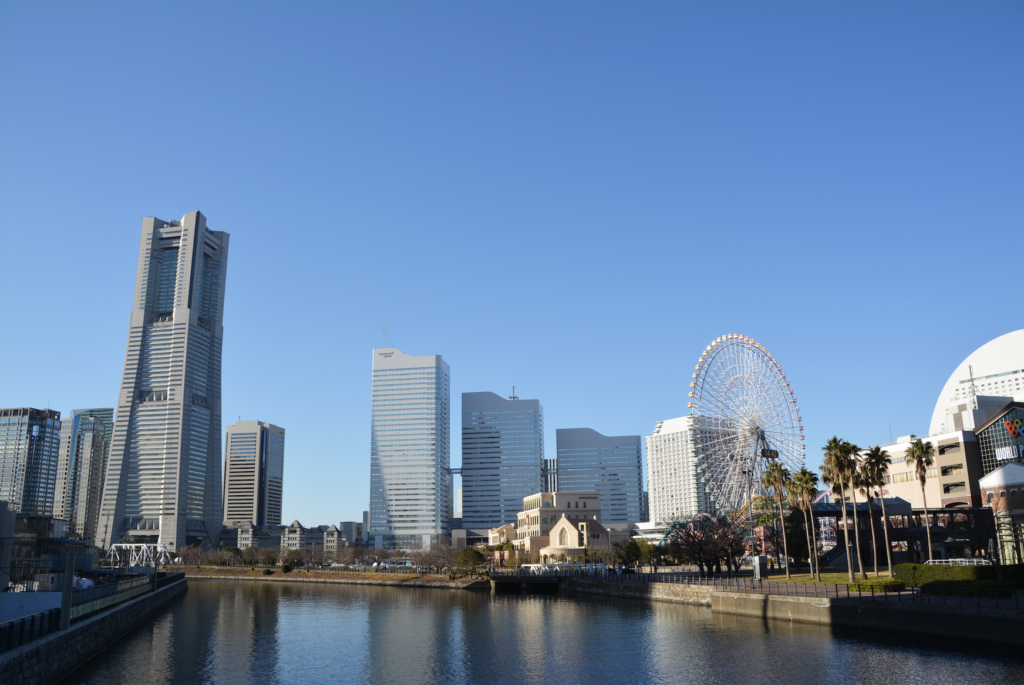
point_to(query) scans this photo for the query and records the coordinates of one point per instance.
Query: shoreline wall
(384, 582)
(976, 624)
(57, 655)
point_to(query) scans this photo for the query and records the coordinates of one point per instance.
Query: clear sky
(572, 198)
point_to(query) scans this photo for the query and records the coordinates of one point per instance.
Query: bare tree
(446, 557)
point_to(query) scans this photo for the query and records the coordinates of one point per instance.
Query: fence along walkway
(1003, 599)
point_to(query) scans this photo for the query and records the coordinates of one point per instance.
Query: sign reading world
(1011, 453)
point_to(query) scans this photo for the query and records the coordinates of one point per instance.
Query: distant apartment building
(81, 467)
(676, 488)
(163, 481)
(502, 457)
(29, 447)
(334, 541)
(410, 468)
(253, 474)
(297, 536)
(610, 465)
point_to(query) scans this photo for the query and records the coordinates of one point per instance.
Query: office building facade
(253, 474)
(676, 488)
(81, 468)
(609, 465)
(410, 468)
(502, 457)
(29, 445)
(163, 480)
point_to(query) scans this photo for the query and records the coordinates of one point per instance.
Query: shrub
(268, 572)
(986, 586)
(286, 569)
(916, 575)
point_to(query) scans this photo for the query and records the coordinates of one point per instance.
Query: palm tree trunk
(856, 531)
(874, 545)
(885, 529)
(814, 538)
(927, 522)
(810, 550)
(846, 531)
(782, 533)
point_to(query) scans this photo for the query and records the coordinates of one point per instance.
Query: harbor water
(227, 632)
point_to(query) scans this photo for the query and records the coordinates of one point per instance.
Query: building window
(563, 538)
(1002, 493)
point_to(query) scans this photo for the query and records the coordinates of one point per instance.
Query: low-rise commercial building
(572, 538)
(544, 510)
(951, 481)
(1003, 491)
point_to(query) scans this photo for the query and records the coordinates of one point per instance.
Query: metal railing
(84, 603)
(169, 579)
(1001, 599)
(24, 630)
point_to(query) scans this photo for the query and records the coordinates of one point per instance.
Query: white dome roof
(1005, 354)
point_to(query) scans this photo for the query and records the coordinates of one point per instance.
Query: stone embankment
(984, 624)
(53, 657)
(336, 578)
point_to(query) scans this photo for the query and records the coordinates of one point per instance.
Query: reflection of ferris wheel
(743, 417)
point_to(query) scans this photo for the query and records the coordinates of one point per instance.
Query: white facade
(676, 490)
(998, 370)
(410, 468)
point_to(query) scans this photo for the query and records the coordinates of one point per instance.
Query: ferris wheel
(743, 417)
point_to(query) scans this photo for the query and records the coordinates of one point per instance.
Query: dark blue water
(249, 632)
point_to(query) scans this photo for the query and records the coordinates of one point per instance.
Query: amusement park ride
(744, 417)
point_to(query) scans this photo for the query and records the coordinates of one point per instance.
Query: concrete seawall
(55, 656)
(980, 624)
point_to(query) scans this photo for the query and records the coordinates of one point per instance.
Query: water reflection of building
(245, 634)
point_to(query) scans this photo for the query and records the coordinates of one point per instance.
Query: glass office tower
(164, 474)
(612, 466)
(29, 442)
(81, 468)
(410, 468)
(502, 457)
(253, 474)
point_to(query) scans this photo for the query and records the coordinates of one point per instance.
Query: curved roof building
(998, 370)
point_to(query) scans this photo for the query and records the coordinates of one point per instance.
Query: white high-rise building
(676, 489)
(163, 481)
(253, 474)
(410, 467)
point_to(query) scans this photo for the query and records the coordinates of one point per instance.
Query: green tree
(470, 558)
(833, 472)
(803, 489)
(919, 455)
(628, 553)
(852, 452)
(774, 479)
(874, 468)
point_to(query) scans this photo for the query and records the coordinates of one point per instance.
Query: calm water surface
(249, 632)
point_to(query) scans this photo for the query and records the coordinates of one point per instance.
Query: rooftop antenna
(513, 394)
(974, 392)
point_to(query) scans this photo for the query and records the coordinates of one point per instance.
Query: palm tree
(833, 472)
(874, 468)
(919, 454)
(804, 488)
(850, 474)
(775, 478)
(864, 483)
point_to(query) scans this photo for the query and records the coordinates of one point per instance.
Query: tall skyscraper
(164, 475)
(81, 467)
(502, 457)
(29, 442)
(677, 490)
(613, 466)
(410, 468)
(253, 474)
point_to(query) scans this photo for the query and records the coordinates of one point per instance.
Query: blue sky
(572, 198)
